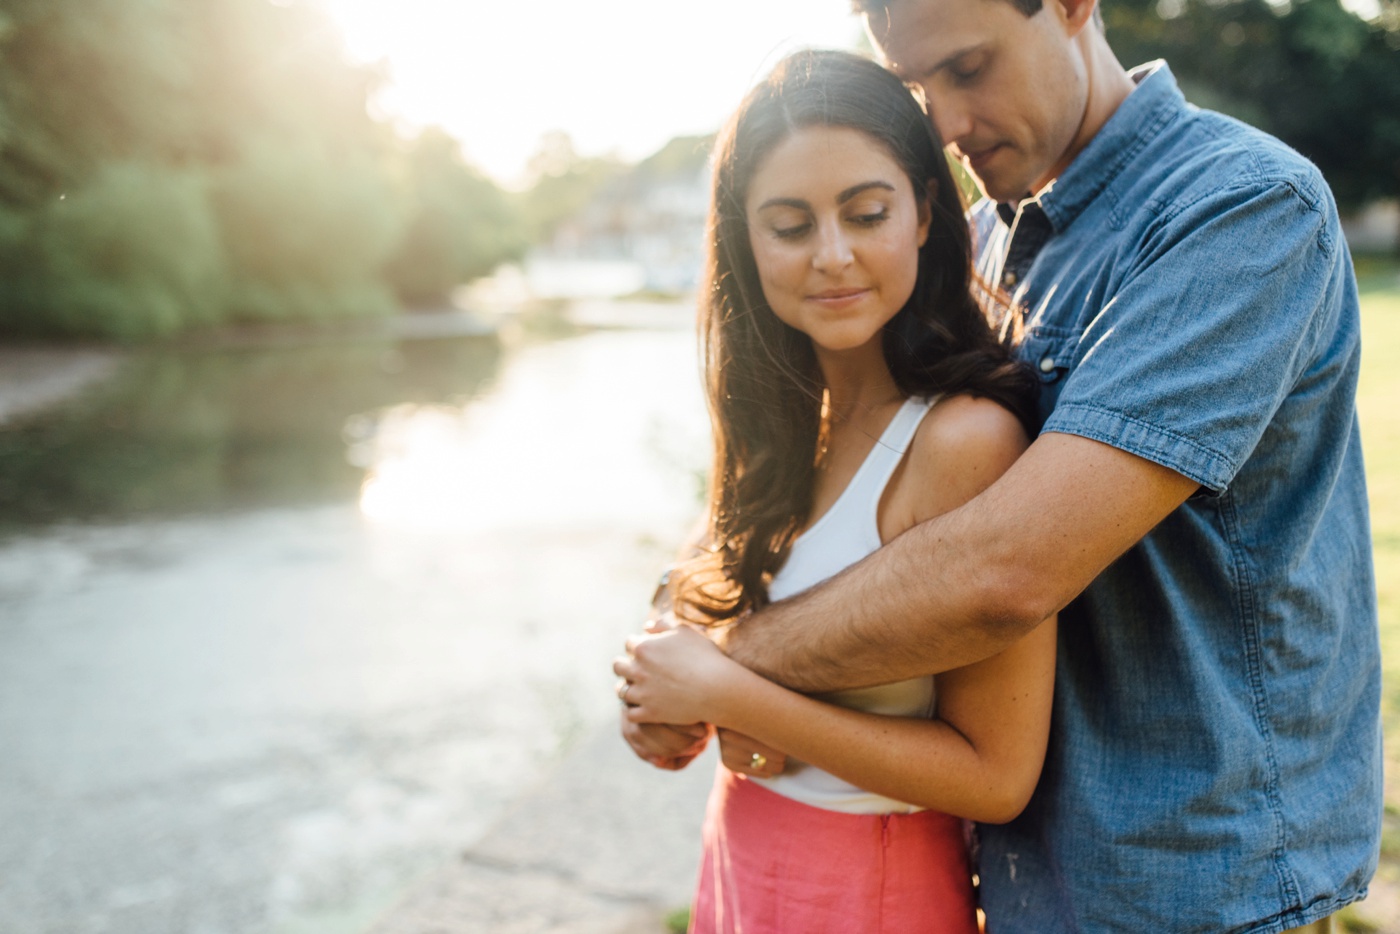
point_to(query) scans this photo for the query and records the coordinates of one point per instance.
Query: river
(283, 628)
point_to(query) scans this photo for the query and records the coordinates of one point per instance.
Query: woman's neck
(858, 382)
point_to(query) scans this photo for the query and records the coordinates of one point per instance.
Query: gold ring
(622, 691)
(758, 760)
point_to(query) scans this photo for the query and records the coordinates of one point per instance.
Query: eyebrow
(842, 198)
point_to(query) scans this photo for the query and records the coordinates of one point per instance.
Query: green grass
(677, 921)
(1377, 399)
(1378, 403)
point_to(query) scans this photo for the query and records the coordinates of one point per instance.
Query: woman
(856, 388)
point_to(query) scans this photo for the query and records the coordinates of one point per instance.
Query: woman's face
(835, 227)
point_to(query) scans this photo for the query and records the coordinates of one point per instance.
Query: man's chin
(999, 181)
(988, 186)
(998, 188)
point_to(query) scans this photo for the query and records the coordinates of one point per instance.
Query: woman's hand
(675, 676)
(746, 755)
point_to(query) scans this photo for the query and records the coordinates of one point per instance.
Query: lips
(838, 298)
(978, 158)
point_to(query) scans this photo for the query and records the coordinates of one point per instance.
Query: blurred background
(348, 408)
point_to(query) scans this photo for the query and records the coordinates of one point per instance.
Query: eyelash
(863, 220)
(791, 233)
(967, 75)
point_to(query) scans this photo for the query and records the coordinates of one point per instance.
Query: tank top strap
(894, 441)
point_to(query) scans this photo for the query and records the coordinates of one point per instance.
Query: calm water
(282, 630)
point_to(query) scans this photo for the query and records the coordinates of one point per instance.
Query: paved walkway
(606, 844)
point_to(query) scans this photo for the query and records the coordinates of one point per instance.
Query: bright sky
(616, 75)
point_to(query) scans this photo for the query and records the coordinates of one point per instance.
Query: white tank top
(847, 532)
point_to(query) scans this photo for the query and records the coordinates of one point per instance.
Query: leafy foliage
(168, 164)
(1319, 77)
(564, 184)
(460, 224)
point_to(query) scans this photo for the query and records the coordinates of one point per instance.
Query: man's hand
(664, 745)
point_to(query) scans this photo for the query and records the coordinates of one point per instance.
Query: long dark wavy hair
(763, 383)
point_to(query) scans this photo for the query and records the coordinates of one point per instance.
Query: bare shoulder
(967, 439)
(962, 446)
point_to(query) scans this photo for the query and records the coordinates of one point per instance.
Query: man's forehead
(916, 37)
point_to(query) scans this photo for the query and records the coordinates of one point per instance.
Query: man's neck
(1109, 85)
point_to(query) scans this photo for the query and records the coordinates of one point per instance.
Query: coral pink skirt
(772, 864)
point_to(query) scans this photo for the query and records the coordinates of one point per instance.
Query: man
(1194, 506)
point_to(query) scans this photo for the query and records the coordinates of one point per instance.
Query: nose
(833, 252)
(951, 120)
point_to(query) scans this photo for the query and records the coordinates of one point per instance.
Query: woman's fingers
(748, 756)
(625, 667)
(675, 676)
(661, 623)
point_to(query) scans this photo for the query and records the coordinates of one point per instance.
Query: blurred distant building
(644, 231)
(1374, 229)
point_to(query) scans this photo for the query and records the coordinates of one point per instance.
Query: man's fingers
(662, 741)
(697, 730)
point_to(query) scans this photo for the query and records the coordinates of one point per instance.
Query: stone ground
(604, 845)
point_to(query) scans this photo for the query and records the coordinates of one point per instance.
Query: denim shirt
(1214, 759)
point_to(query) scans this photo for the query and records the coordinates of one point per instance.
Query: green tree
(1317, 76)
(167, 164)
(461, 225)
(134, 252)
(305, 231)
(563, 184)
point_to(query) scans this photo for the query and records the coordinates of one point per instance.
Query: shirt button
(1009, 280)
(1047, 364)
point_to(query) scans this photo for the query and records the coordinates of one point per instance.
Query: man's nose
(951, 120)
(833, 248)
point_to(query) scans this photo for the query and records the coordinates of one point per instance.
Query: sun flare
(617, 75)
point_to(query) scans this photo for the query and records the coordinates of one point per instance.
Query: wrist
(732, 695)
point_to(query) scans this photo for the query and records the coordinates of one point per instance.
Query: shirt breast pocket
(1051, 352)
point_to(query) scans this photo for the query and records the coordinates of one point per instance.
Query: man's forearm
(962, 586)
(903, 612)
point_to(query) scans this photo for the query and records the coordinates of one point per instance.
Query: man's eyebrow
(937, 67)
(846, 195)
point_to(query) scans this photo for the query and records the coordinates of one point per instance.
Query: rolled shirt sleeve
(1211, 326)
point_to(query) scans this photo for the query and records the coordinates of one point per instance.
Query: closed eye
(968, 69)
(791, 233)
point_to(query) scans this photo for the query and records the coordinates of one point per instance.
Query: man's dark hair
(876, 7)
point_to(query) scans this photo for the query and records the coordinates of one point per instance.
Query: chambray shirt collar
(1151, 106)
